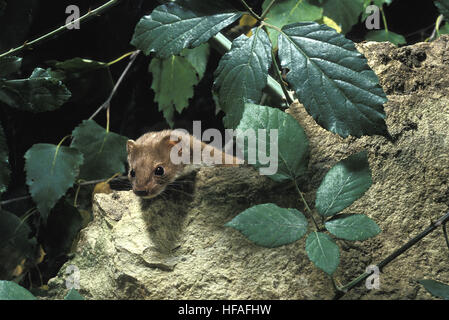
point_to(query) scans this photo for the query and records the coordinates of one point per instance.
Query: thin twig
(251, 11)
(60, 29)
(440, 222)
(3, 203)
(264, 14)
(106, 104)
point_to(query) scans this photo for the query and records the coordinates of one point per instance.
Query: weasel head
(150, 167)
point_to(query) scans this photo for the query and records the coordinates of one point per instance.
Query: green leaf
(383, 35)
(104, 152)
(173, 82)
(345, 12)
(171, 27)
(79, 65)
(323, 251)
(12, 291)
(198, 58)
(292, 144)
(50, 172)
(40, 92)
(286, 12)
(73, 295)
(9, 65)
(436, 288)
(355, 227)
(270, 226)
(5, 172)
(242, 74)
(443, 7)
(332, 79)
(346, 182)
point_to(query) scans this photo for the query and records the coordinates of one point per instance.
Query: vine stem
(107, 103)
(264, 14)
(251, 11)
(61, 29)
(440, 222)
(384, 20)
(306, 205)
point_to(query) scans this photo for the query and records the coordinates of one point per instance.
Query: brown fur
(152, 150)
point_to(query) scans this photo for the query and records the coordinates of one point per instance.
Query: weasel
(150, 159)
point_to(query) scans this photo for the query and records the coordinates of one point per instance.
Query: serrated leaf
(383, 35)
(346, 182)
(357, 227)
(40, 92)
(242, 74)
(332, 79)
(270, 226)
(104, 152)
(9, 65)
(443, 7)
(5, 172)
(198, 58)
(345, 12)
(436, 288)
(172, 27)
(12, 291)
(292, 144)
(173, 82)
(323, 252)
(73, 294)
(50, 172)
(286, 12)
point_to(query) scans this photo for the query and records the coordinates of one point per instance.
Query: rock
(176, 247)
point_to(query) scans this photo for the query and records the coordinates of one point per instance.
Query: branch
(63, 28)
(107, 103)
(440, 222)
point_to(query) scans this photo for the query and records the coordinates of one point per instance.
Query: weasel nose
(141, 193)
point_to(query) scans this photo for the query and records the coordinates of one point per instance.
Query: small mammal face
(150, 167)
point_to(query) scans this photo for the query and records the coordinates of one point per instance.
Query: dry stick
(108, 101)
(440, 222)
(63, 28)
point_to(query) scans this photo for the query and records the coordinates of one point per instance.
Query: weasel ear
(130, 145)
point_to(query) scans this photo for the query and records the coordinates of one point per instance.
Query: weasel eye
(159, 171)
(132, 173)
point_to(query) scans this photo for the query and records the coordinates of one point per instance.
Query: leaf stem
(120, 58)
(440, 222)
(250, 10)
(60, 29)
(264, 14)
(306, 205)
(384, 20)
(279, 74)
